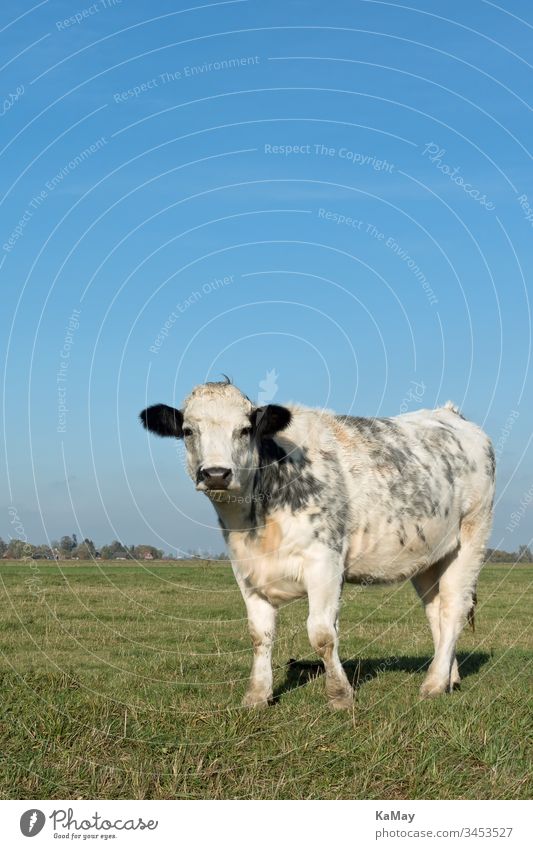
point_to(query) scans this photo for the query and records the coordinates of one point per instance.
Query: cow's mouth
(221, 496)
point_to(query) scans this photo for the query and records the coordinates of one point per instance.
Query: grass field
(124, 681)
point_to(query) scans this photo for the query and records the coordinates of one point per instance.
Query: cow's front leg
(324, 585)
(262, 626)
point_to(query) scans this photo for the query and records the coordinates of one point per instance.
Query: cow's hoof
(254, 700)
(431, 689)
(341, 703)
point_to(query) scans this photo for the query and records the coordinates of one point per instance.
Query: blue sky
(338, 193)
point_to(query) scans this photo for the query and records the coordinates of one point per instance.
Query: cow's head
(222, 431)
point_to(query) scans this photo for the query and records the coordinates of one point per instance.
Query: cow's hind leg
(457, 586)
(324, 584)
(427, 586)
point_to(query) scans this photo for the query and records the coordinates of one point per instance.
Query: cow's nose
(216, 477)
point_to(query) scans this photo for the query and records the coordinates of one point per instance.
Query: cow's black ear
(270, 419)
(163, 420)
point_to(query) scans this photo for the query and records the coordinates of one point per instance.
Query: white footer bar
(266, 825)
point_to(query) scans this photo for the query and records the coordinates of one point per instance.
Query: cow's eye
(246, 431)
(186, 431)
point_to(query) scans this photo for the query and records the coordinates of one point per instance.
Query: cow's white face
(217, 429)
(222, 431)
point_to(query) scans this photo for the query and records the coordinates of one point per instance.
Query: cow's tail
(471, 616)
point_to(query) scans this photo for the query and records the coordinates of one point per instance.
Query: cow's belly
(393, 553)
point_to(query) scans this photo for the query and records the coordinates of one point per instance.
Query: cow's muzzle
(215, 477)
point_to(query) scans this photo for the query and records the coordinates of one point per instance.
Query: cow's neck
(268, 490)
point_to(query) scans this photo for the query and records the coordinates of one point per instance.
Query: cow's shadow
(360, 672)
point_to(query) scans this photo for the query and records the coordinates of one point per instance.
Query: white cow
(307, 500)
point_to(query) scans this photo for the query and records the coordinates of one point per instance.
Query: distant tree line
(522, 555)
(68, 548)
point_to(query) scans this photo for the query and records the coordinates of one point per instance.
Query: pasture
(124, 681)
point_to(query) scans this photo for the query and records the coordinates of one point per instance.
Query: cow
(307, 499)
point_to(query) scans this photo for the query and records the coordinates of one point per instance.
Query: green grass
(120, 681)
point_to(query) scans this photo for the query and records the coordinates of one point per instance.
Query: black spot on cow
(420, 533)
(283, 479)
(369, 427)
(491, 461)
(448, 471)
